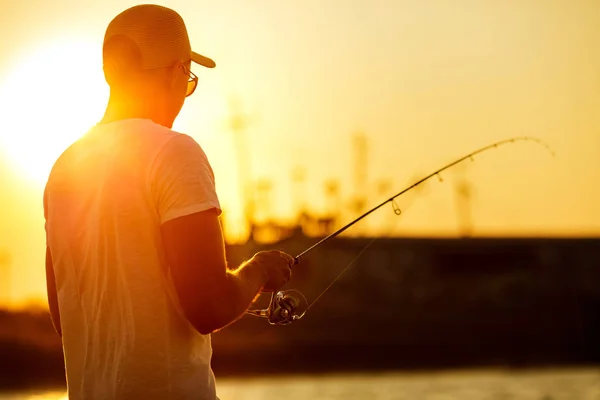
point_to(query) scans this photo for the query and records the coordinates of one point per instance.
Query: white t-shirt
(124, 332)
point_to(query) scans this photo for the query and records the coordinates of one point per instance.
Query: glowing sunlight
(52, 98)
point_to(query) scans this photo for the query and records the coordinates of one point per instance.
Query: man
(135, 263)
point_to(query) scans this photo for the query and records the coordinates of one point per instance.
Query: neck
(121, 108)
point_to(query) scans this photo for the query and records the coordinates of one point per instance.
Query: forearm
(245, 284)
(237, 293)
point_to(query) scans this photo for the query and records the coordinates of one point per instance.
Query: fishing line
(283, 307)
(398, 211)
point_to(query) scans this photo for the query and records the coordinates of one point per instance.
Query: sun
(50, 100)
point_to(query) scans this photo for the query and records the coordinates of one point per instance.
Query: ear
(174, 73)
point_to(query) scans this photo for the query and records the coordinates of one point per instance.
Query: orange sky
(427, 81)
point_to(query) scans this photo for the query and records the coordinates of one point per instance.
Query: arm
(211, 296)
(52, 295)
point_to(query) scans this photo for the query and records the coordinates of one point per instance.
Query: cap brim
(204, 61)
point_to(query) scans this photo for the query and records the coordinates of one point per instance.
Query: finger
(282, 255)
(288, 257)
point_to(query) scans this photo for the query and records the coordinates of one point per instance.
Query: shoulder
(181, 154)
(155, 144)
(183, 142)
(60, 166)
(168, 140)
(182, 147)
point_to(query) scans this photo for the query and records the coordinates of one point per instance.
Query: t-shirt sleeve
(182, 180)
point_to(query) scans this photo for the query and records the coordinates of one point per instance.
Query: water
(573, 384)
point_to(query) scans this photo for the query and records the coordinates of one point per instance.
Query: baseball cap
(159, 34)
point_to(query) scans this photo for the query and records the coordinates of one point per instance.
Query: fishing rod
(282, 309)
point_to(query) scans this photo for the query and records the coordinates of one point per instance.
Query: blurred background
(487, 286)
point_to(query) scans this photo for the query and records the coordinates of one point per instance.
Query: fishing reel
(282, 309)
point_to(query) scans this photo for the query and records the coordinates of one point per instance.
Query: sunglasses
(192, 81)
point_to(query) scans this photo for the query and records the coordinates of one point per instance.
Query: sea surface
(566, 384)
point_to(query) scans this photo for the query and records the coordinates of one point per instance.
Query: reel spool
(283, 308)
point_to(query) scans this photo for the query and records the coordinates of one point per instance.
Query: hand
(276, 267)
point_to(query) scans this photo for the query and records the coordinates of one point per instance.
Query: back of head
(144, 38)
(147, 57)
